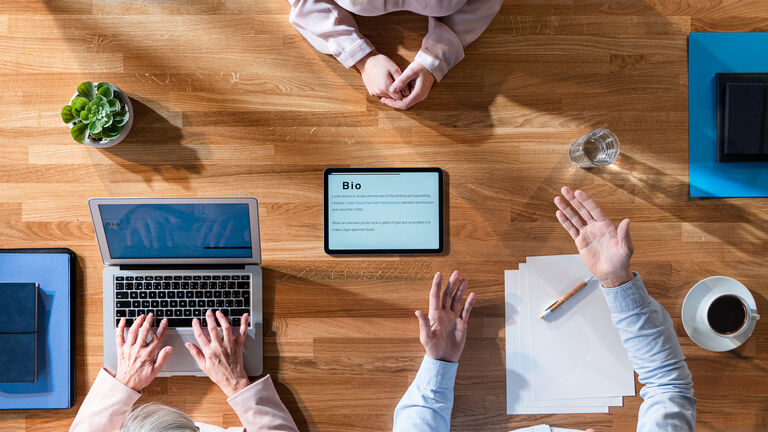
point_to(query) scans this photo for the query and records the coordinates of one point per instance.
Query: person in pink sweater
(330, 27)
(108, 405)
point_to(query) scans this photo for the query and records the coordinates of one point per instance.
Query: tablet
(383, 210)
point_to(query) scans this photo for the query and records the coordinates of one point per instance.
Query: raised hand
(220, 356)
(604, 248)
(139, 362)
(444, 332)
(379, 72)
(415, 83)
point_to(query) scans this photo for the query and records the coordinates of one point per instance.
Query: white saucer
(699, 332)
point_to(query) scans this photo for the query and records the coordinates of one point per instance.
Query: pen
(563, 299)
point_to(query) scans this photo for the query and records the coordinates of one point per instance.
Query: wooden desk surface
(231, 101)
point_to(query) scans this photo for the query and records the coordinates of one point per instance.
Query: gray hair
(155, 417)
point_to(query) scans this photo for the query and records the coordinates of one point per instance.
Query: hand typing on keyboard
(220, 356)
(138, 360)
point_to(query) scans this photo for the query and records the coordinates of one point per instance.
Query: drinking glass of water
(598, 148)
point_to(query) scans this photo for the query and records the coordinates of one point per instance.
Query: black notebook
(18, 332)
(742, 100)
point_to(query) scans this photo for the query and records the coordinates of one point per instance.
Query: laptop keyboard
(181, 298)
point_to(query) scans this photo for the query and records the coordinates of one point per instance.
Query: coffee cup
(727, 315)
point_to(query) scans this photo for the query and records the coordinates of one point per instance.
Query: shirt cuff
(113, 387)
(257, 387)
(436, 374)
(433, 65)
(355, 53)
(628, 297)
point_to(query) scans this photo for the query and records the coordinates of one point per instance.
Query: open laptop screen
(156, 230)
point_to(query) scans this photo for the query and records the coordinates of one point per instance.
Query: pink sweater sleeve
(331, 29)
(259, 408)
(443, 46)
(105, 406)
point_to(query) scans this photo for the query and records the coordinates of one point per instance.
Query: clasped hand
(401, 90)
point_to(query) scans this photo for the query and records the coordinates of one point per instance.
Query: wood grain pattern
(231, 101)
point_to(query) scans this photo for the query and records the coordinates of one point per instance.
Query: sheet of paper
(578, 351)
(519, 389)
(531, 362)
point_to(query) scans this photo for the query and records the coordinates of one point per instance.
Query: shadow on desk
(272, 363)
(155, 147)
(481, 371)
(481, 378)
(658, 189)
(747, 350)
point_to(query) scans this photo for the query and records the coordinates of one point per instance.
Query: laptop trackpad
(181, 361)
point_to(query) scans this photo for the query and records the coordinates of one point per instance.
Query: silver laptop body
(180, 257)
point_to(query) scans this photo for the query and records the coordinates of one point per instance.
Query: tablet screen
(383, 210)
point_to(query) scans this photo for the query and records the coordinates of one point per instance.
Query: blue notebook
(18, 332)
(54, 272)
(709, 54)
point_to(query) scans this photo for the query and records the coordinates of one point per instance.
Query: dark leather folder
(742, 100)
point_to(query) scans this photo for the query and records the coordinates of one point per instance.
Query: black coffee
(726, 314)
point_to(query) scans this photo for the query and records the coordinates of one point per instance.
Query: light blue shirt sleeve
(646, 331)
(427, 404)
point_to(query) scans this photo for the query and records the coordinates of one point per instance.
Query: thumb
(401, 83)
(424, 328)
(196, 354)
(162, 357)
(625, 241)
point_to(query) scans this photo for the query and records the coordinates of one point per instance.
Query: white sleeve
(331, 29)
(443, 46)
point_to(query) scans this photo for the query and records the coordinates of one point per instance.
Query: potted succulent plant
(98, 115)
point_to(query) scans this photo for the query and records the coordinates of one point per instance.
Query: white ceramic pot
(126, 128)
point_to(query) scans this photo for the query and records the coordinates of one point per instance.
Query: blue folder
(708, 54)
(54, 271)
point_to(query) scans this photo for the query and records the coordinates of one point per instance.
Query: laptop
(177, 258)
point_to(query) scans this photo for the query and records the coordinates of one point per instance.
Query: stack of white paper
(570, 362)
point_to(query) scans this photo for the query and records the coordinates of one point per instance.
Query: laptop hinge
(134, 267)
